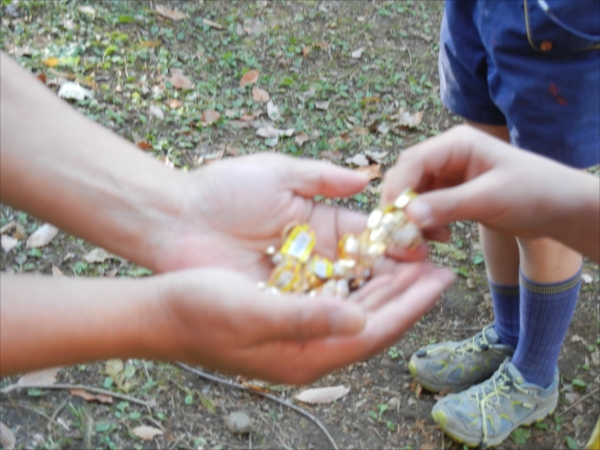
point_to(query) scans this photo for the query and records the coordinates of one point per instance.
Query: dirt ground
(343, 98)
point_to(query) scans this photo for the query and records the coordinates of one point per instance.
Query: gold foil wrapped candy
(298, 271)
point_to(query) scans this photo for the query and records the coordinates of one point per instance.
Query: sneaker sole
(412, 368)
(440, 418)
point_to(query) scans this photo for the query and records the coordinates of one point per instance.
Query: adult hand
(220, 320)
(465, 174)
(231, 211)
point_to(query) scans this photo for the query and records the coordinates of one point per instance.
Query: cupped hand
(218, 319)
(232, 210)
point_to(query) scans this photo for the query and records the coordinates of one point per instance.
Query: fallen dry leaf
(145, 432)
(8, 242)
(46, 377)
(210, 23)
(252, 116)
(383, 128)
(405, 119)
(306, 51)
(9, 226)
(7, 437)
(322, 395)
(273, 111)
(87, 10)
(51, 62)
(572, 398)
(174, 103)
(358, 160)
(209, 117)
(376, 156)
(360, 131)
(156, 112)
(143, 145)
(56, 272)
(19, 232)
(367, 100)
(42, 77)
(249, 77)
(150, 44)
(270, 132)
(114, 367)
(42, 236)
(230, 113)
(101, 398)
(322, 105)
(356, 54)
(332, 155)
(418, 390)
(97, 255)
(301, 138)
(74, 91)
(172, 14)
(260, 95)
(373, 172)
(211, 157)
(179, 80)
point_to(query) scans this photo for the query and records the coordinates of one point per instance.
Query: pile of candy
(296, 271)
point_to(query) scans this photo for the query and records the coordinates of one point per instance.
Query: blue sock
(505, 300)
(546, 312)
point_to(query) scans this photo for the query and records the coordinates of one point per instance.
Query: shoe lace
(477, 343)
(491, 393)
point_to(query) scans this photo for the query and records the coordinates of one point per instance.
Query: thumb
(304, 318)
(440, 207)
(310, 178)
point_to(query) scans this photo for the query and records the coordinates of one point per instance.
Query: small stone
(471, 283)
(238, 423)
(394, 402)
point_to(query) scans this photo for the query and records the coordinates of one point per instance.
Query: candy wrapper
(297, 270)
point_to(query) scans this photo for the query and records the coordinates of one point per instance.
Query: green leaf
(135, 415)
(125, 19)
(362, 198)
(391, 425)
(102, 427)
(35, 252)
(373, 415)
(579, 382)
(477, 259)
(572, 443)
(541, 425)
(129, 371)
(108, 382)
(189, 399)
(35, 392)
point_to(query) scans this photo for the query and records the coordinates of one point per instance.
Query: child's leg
(551, 275)
(501, 254)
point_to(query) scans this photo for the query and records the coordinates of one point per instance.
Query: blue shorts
(532, 65)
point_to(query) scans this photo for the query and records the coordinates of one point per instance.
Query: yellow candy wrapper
(299, 243)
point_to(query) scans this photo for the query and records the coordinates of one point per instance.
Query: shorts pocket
(558, 27)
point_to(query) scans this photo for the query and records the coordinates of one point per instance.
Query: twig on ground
(585, 397)
(262, 394)
(281, 441)
(127, 398)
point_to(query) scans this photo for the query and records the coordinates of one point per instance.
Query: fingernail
(347, 320)
(420, 212)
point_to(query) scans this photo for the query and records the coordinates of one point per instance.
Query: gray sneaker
(506, 401)
(456, 366)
